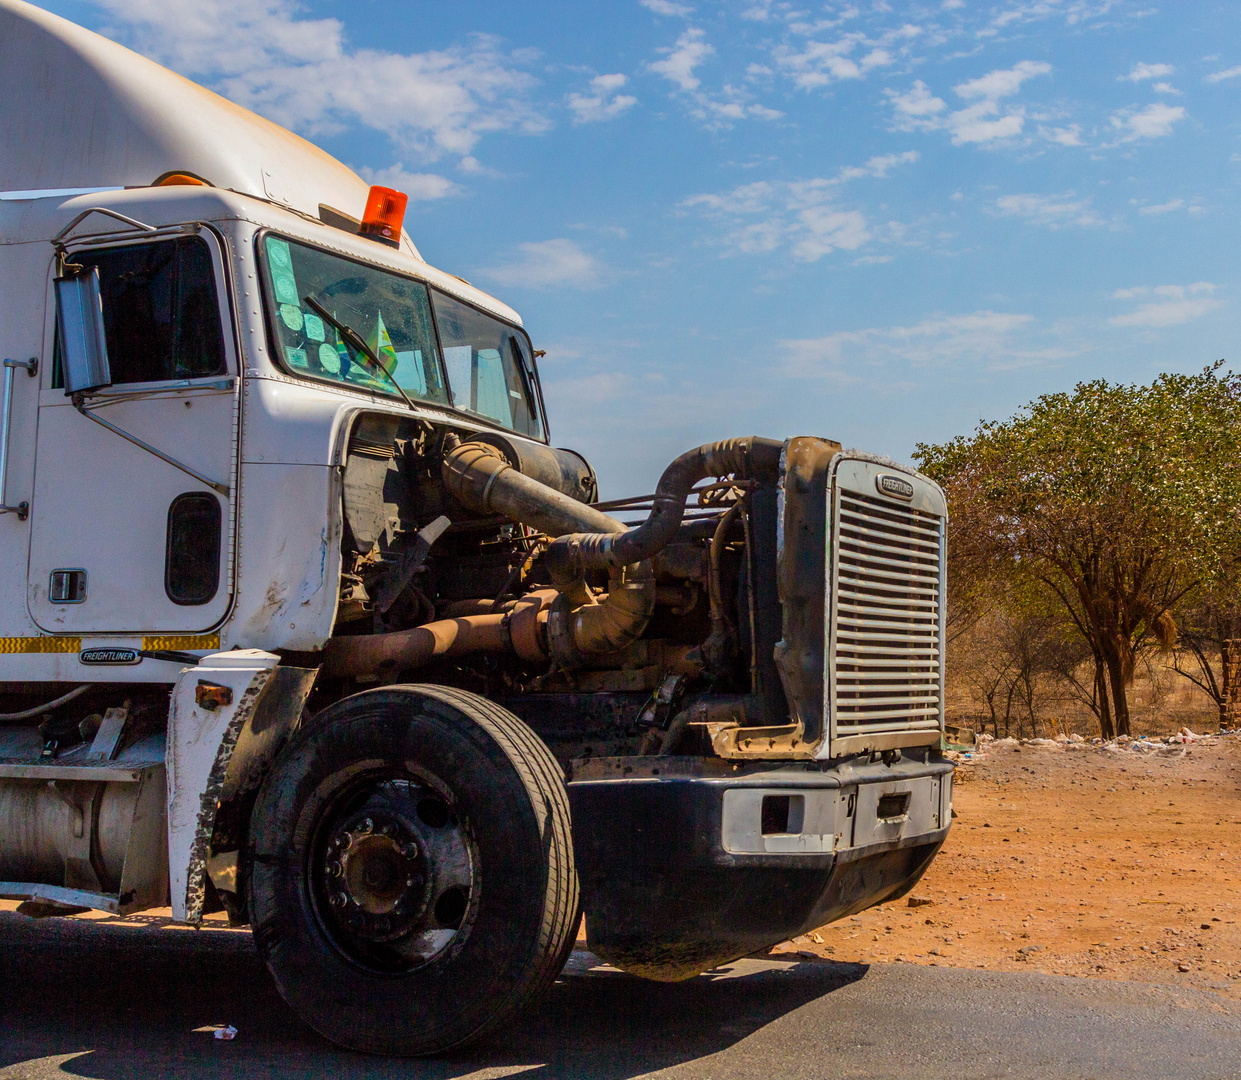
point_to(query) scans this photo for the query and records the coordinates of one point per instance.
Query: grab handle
(22, 509)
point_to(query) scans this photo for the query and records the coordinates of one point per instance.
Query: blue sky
(876, 222)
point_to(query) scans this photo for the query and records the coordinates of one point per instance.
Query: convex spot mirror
(83, 347)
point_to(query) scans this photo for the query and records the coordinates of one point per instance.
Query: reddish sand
(1088, 861)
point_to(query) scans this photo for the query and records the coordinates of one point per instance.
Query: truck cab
(306, 619)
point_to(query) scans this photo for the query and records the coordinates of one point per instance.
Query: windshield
(392, 314)
(490, 366)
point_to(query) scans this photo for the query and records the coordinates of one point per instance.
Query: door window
(161, 312)
(490, 367)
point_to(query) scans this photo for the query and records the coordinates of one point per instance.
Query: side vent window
(192, 561)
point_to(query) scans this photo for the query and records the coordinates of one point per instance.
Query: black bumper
(664, 899)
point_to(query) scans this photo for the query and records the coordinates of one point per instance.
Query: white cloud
(983, 121)
(812, 63)
(601, 102)
(820, 230)
(546, 264)
(747, 199)
(979, 124)
(665, 7)
(819, 63)
(918, 108)
(1165, 88)
(1220, 76)
(418, 186)
(1166, 305)
(1065, 136)
(1139, 72)
(1074, 13)
(1052, 211)
(1162, 208)
(979, 336)
(715, 111)
(303, 73)
(1153, 122)
(759, 12)
(690, 51)
(878, 166)
(1002, 83)
(800, 216)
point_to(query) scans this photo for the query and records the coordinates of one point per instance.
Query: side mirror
(83, 348)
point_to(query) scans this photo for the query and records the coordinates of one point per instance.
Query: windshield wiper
(354, 340)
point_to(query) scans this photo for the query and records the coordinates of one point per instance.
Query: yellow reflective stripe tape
(40, 645)
(176, 642)
(60, 644)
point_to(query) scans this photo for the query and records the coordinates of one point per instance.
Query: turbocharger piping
(571, 556)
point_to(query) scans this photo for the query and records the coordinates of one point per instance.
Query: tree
(1120, 500)
(1208, 618)
(1004, 657)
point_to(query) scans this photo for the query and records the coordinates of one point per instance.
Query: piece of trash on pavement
(226, 1032)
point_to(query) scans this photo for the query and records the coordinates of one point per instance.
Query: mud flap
(230, 716)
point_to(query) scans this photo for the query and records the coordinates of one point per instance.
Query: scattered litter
(227, 1032)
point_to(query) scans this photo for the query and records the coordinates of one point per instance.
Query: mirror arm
(85, 410)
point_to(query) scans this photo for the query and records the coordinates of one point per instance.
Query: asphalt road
(123, 1003)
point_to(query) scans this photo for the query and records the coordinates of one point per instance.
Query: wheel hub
(377, 876)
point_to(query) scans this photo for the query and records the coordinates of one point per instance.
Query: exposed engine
(638, 626)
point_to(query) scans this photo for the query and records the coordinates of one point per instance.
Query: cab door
(123, 541)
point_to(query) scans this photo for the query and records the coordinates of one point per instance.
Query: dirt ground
(1083, 860)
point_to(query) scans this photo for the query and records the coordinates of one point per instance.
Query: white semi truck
(304, 619)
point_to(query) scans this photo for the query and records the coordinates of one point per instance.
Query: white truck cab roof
(82, 112)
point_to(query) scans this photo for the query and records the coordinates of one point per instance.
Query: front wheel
(412, 882)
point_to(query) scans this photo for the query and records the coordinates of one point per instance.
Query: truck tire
(412, 882)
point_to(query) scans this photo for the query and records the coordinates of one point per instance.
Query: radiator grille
(886, 646)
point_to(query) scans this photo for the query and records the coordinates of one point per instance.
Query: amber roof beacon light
(385, 210)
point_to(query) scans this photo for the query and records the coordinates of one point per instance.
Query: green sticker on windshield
(297, 358)
(292, 316)
(329, 358)
(278, 252)
(314, 327)
(286, 287)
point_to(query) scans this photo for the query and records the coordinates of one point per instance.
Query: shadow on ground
(116, 1001)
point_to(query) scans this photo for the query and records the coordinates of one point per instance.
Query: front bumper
(683, 872)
